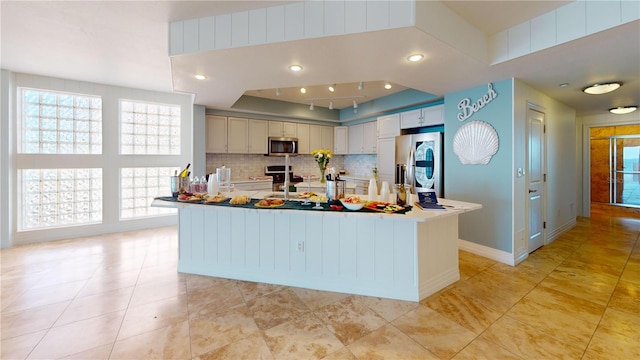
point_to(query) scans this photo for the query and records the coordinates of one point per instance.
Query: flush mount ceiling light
(415, 57)
(599, 89)
(621, 110)
(200, 77)
(295, 68)
(387, 85)
(303, 90)
(332, 88)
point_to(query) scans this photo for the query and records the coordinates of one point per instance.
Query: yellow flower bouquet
(322, 157)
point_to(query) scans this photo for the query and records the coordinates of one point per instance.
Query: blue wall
(490, 184)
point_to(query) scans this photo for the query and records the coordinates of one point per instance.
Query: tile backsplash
(244, 166)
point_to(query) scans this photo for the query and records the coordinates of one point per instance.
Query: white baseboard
(485, 251)
(552, 235)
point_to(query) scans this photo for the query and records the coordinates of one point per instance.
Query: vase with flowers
(322, 158)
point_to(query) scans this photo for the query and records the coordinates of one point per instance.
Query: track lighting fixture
(277, 91)
(303, 90)
(332, 88)
(387, 85)
(360, 86)
(355, 104)
(330, 105)
(311, 106)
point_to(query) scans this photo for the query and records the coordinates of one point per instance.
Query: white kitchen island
(400, 256)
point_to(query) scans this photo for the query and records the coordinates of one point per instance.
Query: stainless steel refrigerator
(419, 162)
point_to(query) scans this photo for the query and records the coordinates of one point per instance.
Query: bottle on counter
(373, 190)
(401, 195)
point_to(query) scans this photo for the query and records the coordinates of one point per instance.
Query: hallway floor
(119, 297)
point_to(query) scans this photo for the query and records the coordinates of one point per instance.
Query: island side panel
(437, 254)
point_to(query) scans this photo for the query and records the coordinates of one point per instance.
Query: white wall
(582, 145)
(109, 161)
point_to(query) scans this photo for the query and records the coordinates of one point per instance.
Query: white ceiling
(125, 43)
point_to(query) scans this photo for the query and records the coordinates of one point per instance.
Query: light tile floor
(119, 297)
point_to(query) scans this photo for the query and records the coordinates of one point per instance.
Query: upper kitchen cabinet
(320, 137)
(216, 137)
(363, 138)
(341, 140)
(388, 126)
(433, 115)
(282, 129)
(302, 131)
(247, 136)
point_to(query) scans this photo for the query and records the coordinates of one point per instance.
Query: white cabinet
(247, 136)
(327, 137)
(386, 160)
(429, 116)
(257, 135)
(320, 137)
(216, 137)
(282, 129)
(341, 140)
(388, 126)
(363, 138)
(237, 139)
(253, 185)
(302, 131)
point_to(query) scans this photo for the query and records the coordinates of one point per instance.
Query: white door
(535, 179)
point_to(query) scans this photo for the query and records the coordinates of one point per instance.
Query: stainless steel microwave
(280, 146)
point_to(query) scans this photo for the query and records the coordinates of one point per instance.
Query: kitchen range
(278, 174)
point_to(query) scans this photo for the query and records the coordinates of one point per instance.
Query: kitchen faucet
(286, 177)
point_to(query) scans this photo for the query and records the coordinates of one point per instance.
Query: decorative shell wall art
(475, 143)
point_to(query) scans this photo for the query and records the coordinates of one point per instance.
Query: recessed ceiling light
(621, 110)
(387, 85)
(295, 68)
(200, 77)
(598, 89)
(415, 57)
(303, 90)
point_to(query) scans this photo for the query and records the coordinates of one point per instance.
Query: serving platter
(383, 207)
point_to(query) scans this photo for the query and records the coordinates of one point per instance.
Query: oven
(278, 174)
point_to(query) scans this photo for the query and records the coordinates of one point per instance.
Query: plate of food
(383, 207)
(214, 199)
(269, 203)
(189, 197)
(306, 194)
(239, 200)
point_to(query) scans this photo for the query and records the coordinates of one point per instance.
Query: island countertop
(452, 207)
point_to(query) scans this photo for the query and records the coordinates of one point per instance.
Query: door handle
(532, 191)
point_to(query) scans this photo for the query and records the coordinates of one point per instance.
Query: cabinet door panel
(341, 139)
(356, 133)
(216, 137)
(237, 135)
(388, 126)
(433, 115)
(411, 119)
(302, 132)
(370, 138)
(257, 135)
